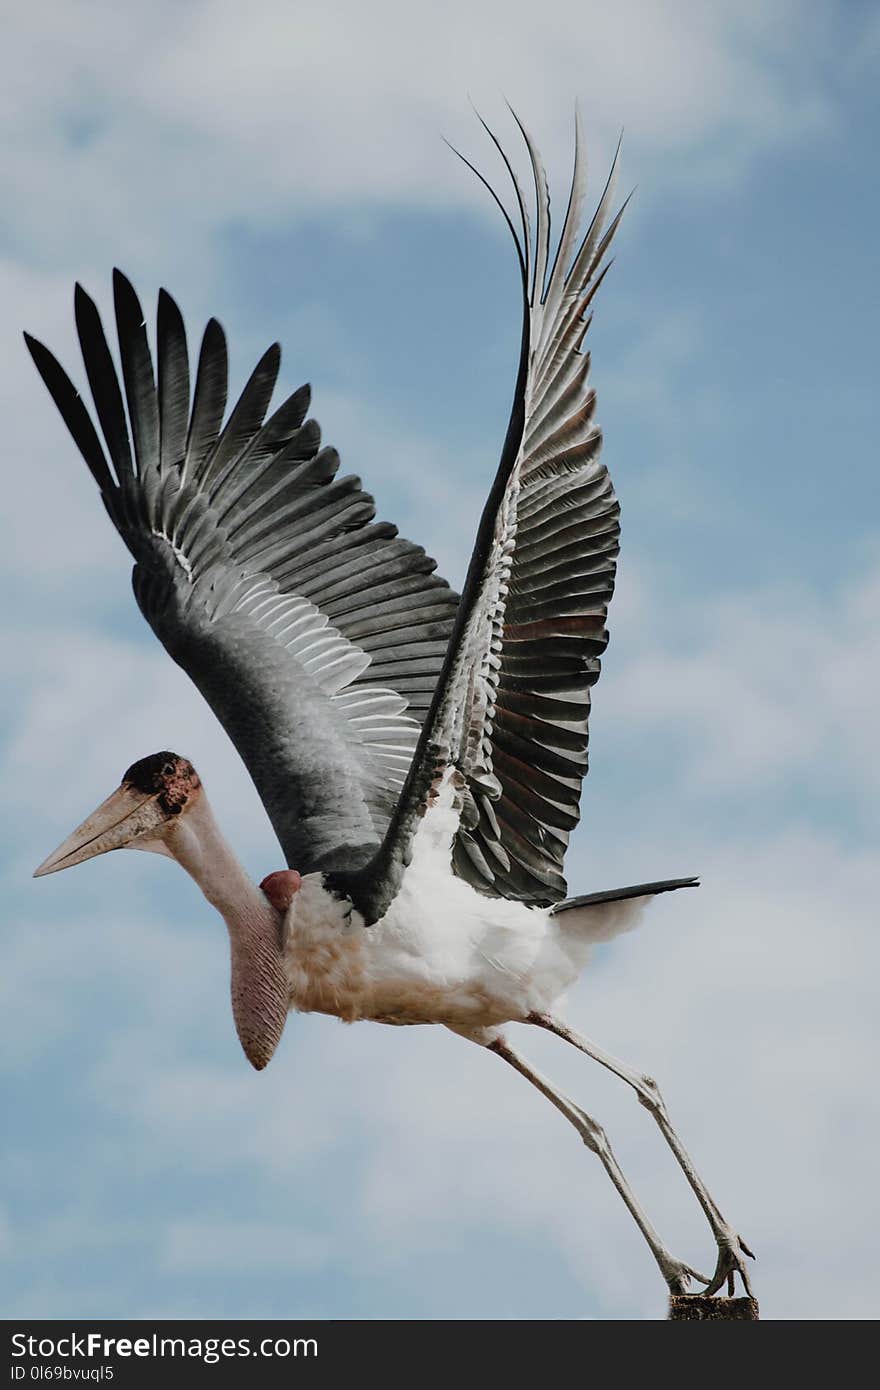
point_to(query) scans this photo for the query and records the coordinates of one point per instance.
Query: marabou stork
(419, 754)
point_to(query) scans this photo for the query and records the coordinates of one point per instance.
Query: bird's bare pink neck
(260, 989)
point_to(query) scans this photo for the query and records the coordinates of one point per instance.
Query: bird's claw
(732, 1251)
(678, 1276)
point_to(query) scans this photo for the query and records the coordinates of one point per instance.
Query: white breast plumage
(443, 953)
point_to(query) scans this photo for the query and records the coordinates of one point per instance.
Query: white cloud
(154, 129)
(217, 1247)
(768, 684)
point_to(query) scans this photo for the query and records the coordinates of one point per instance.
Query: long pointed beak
(123, 817)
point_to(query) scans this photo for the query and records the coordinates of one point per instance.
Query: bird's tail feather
(597, 917)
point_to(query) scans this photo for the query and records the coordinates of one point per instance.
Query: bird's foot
(678, 1275)
(732, 1252)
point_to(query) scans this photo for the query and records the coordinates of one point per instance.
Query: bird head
(161, 806)
(146, 812)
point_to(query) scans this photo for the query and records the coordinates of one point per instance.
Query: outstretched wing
(315, 633)
(508, 723)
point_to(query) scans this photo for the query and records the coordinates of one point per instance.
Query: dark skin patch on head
(166, 775)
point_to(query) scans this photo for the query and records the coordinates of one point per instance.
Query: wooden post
(697, 1308)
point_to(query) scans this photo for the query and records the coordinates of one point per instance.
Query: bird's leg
(677, 1275)
(732, 1249)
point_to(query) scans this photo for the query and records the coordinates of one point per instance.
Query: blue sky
(282, 168)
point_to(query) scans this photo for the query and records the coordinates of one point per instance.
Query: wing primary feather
(597, 222)
(542, 203)
(245, 418)
(137, 374)
(555, 284)
(209, 398)
(504, 213)
(103, 382)
(74, 414)
(173, 374)
(517, 187)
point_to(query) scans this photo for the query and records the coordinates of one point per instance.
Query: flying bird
(420, 754)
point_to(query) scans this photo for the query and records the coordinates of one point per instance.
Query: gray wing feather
(315, 633)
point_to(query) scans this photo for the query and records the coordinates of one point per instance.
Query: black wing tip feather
(169, 321)
(269, 362)
(85, 311)
(520, 249)
(121, 282)
(168, 310)
(130, 326)
(73, 412)
(83, 301)
(126, 302)
(50, 369)
(214, 344)
(130, 318)
(42, 357)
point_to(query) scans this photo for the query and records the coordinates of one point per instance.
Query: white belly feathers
(442, 954)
